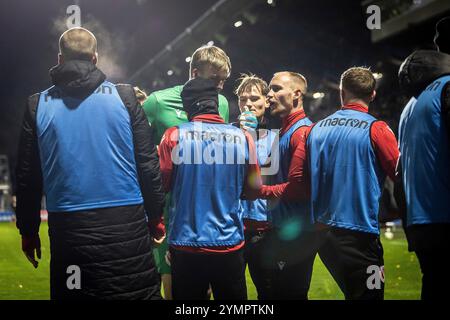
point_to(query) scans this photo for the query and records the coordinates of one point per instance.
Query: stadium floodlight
(170, 73)
(188, 59)
(377, 75)
(237, 24)
(318, 95)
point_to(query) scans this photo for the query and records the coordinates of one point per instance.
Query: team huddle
(124, 173)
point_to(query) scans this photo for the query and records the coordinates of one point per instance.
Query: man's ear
(95, 58)
(373, 95)
(60, 58)
(194, 73)
(342, 94)
(297, 94)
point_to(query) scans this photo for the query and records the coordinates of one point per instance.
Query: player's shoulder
(33, 100)
(380, 124)
(381, 128)
(170, 134)
(36, 95)
(167, 93)
(119, 85)
(47, 94)
(125, 90)
(168, 96)
(49, 90)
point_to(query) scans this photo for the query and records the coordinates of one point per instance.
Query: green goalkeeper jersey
(164, 109)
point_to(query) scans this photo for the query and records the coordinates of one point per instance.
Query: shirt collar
(356, 107)
(214, 118)
(291, 119)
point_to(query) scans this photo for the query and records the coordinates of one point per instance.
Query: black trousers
(193, 273)
(281, 269)
(292, 266)
(435, 279)
(431, 243)
(255, 253)
(352, 257)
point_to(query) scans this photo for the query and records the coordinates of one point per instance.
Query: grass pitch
(20, 281)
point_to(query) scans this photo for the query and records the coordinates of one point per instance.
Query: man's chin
(275, 112)
(272, 111)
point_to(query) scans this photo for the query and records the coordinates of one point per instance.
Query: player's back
(209, 174)
(345, 177)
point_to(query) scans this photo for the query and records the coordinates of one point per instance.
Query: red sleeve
(253, 181)
(385, 146)
(168, 142)
(297, 187)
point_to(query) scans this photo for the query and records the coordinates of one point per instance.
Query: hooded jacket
(200, 96)
(91, 147)
(420, 69)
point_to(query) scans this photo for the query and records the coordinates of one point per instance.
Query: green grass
(19, 280)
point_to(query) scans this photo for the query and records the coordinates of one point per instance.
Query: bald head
(296, 80)
(78, 44)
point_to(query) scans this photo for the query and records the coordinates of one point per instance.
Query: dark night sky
(129, 32)
(319, 38)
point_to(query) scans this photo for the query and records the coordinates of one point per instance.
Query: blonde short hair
(298, 80)
(210, 56)
(77, 43)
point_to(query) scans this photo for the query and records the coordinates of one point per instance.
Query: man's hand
(157, 231)
(30, 245)
(158, 241)
(247, 120)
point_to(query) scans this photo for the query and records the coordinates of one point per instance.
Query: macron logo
(281, 265)
(179, 113)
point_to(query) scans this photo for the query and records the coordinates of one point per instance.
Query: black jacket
(79, 79)
(420, 69)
